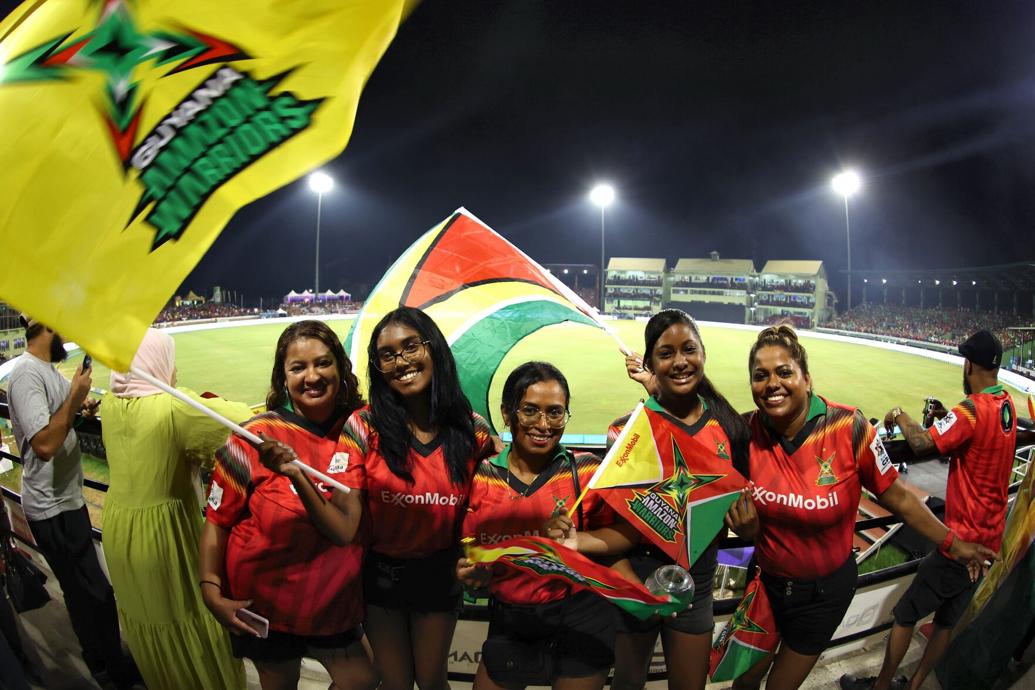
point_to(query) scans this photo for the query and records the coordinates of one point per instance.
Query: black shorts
(941, 586)
(697, 619)
(282, 646)
(422, 585)
(582, 626)
(808, 612)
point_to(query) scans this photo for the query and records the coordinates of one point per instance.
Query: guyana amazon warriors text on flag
(135, 129)
(546, 558)
(667, 484)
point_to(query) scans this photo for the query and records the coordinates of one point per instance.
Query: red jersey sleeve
(231, 482)
(614, 429)
(876, 471)
(484, 445)
(955, 429)
(351, 451)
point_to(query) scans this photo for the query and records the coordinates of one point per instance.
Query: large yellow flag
(133, 130)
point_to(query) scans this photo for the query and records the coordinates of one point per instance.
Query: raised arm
(337, 519)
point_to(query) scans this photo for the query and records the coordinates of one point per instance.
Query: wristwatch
(895, 412)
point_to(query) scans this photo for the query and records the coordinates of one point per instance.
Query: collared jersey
(980, 435)
(807, 497)
(301, 581)
(407, 520)
(498, 511)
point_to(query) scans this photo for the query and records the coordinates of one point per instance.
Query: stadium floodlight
(973, 282)
(321, 183)
(883, 281)
(585, 271)
(954, 283)
(847, 183)
(565, 271)
(603, 195)
(866, 280)
(937, 282)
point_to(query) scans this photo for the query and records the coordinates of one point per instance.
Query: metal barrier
(873, 591)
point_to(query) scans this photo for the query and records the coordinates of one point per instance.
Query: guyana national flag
(748, 636)
(667, 484)
(545, 558)
(134, 129)
(484, 293)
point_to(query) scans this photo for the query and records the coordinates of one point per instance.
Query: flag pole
(236, 428)
(607, 458)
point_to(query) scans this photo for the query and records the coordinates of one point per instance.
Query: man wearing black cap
(43, 408)
(979, 434)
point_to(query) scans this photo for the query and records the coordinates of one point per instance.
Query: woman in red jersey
(673, 371)
(260, 550)
(409, 458)
(810, 459)
(514, 493)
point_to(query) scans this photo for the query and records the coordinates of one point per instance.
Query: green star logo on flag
(115, 49)
(682, 482)
(740, 620)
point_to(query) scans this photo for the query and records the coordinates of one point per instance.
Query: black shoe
(850, 682)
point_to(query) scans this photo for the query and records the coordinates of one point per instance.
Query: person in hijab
(152, 523)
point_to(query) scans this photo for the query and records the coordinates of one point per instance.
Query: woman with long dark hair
(674, 359)
(408, 457)
(260, 550)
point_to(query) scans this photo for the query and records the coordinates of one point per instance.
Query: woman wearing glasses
(514, 493)
(409, 457)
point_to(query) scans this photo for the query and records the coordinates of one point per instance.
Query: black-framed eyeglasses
(556, 417)
(411, 353)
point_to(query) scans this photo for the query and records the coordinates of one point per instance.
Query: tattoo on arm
(918, 438)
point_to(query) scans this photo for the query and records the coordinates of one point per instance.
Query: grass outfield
(235, 363)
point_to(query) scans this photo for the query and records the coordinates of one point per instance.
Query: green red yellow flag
(668, 485)
(749, 635)
(134, 129)
(1031, 407)
(484, 293)
(545, 558)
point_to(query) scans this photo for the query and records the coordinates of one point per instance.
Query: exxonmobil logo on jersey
(765, 497)
(400, 498)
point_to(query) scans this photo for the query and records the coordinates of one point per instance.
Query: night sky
(719, 123)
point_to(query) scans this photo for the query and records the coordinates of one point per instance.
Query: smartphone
(260, 625)
(87, 362)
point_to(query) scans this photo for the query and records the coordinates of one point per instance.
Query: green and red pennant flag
(749, 636)
(484, 293)
(546, 558)
(667, 484)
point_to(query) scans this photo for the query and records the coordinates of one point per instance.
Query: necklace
(511, 478)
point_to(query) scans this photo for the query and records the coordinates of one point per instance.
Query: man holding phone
(43, 408)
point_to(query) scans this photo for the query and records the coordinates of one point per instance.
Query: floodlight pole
(316, 280)
(603, 269)
(848, 238)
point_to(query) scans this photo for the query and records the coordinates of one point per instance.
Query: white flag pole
(236, 428)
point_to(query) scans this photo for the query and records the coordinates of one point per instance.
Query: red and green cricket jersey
(808, 497)
(299, 580)
(407, 520)
(498, 511)
(980, 435)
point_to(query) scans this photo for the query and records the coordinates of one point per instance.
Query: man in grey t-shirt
(43, 407)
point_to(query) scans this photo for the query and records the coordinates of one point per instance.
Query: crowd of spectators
(204, 310)
(943, 326)
(796, 320)
(628, 280)
(310, 309)
(788, 286)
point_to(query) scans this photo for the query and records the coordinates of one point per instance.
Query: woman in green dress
(152, 522)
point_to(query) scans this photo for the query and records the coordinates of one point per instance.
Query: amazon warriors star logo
(826, 471)
(662, 507)
(226, 122)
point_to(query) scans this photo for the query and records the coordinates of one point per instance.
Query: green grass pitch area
(235, 363)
